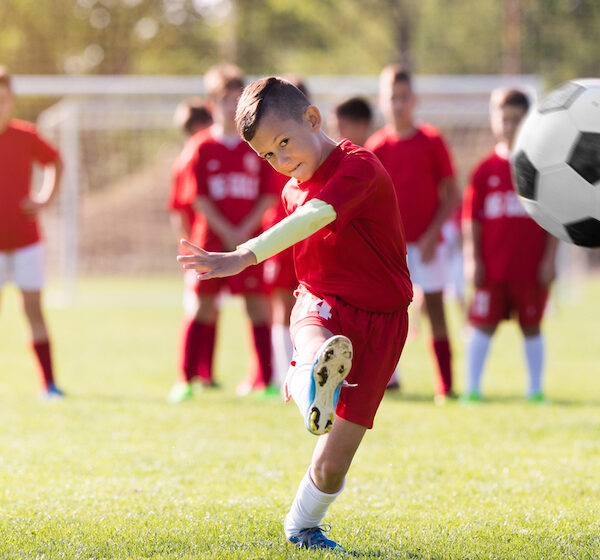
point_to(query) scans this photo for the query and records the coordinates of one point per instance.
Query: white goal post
(116, 134)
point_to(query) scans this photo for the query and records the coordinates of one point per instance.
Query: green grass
(115, 472)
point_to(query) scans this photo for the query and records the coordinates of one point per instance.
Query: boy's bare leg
(333, 455)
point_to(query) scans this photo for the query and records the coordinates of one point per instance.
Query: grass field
(115, 472)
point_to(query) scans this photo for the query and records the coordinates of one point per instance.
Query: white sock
(534, 354)
(477, 351)
(309, 506)
(282, 352)
(299, 384)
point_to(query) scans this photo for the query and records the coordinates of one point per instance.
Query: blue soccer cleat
(314, 538)
(52, 393)
(331, 366)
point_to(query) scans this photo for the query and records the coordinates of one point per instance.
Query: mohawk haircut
(266, 95)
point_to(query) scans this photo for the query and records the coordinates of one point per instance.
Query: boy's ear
(312, 116)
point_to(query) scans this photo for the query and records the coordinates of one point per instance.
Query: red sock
(206, 352)
(197, 345)
(42, 351)
(441, 348)
(262, 345)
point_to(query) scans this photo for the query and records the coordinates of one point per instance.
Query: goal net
(118, 142)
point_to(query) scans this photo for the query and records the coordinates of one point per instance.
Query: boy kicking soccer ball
(350, 319)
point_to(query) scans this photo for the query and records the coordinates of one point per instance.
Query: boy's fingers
(193, 247)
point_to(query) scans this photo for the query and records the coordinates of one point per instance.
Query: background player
(21, 248)
(232, 190)
(419, 163)
(511, 259)
(192, 116)
(352, 119)
(345, 221)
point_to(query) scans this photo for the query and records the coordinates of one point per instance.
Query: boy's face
(397, 102)
(505, 123)
(355, 130)
(225, 106)
(7, 103)
(292, 147)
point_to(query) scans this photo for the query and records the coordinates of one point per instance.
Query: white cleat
(331, 366)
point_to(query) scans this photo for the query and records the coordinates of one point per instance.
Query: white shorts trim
(24, 267)
(432, 275)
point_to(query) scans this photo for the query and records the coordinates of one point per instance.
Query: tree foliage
(302, 36)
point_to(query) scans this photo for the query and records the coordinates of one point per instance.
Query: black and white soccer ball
(556, 162)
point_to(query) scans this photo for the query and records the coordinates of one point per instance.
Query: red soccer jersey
(20, 147)
(512, 244)
(416, 165)
(234, 178)
(361, 256)
(182, 185)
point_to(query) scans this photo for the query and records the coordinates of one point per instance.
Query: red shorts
(495, 302)
(249, 281)
(377, 340)
(280, 271)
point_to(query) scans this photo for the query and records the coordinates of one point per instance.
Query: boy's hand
(215, 265)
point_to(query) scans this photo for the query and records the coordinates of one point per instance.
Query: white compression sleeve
(300, 224)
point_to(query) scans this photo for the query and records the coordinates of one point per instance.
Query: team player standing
(21, 246)
(419, 162)
(512, 259)
(231, 188)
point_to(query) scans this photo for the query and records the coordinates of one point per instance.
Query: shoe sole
(332, 364)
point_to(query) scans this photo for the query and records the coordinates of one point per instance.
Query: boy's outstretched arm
(302, 223)
(216, 265)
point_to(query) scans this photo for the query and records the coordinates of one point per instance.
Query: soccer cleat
(442, 398)
(270, 392)
(52, 393)
(331, 366)
(314, 538)
(472, 397)
(180, 392)
(537, 398)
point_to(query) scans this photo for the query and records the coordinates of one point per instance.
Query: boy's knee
(328, 474)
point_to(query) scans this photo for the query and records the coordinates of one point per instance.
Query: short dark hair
(514, 98)
(394, 73)
(354, 109)
(5, 78)
(191, 113)
(265, 95)
(223, 78)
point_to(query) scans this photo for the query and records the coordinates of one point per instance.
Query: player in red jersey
(350, 319)
(232, 189)
(21, 248)
(192, 117)
(352, 119)
(420, 166)
(512, 259)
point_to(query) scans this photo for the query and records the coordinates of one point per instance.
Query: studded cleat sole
(332, 364)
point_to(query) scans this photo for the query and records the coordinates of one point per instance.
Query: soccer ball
(556, 162)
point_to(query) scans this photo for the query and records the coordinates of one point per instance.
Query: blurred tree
(555, 38)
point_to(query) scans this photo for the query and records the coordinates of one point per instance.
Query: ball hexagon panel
(566, 195)
(585, 156)
(561, 98)
(546, 138)
(585, 112)
(585, 233)
(525, 175)
(544, 220)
